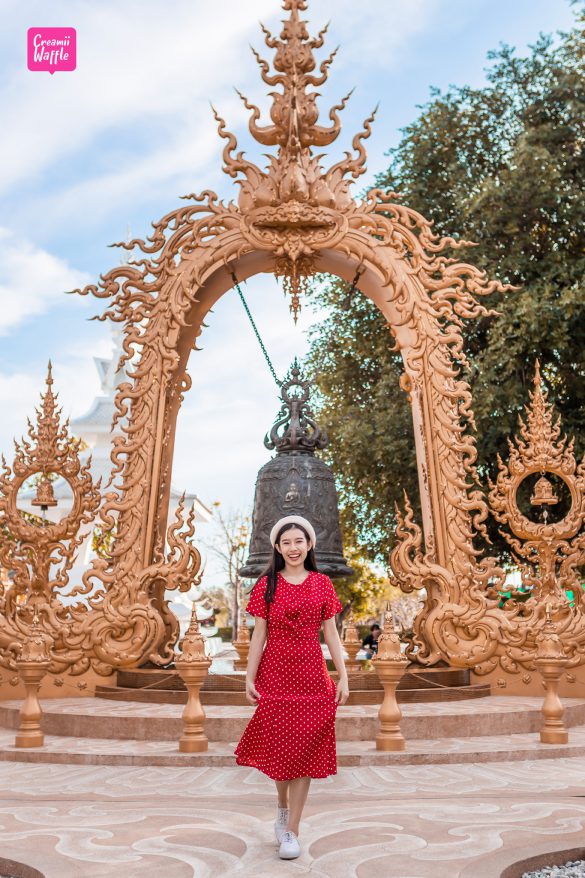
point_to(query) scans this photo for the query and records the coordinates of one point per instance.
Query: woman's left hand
(342, 693)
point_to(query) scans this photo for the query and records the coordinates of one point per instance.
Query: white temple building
(95, 428)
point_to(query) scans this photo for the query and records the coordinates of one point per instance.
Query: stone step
(235, 696)
(485, 749)
(99, 718)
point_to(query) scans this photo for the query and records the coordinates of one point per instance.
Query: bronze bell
(295, 482)
(544, 494)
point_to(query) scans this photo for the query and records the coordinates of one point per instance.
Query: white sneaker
(289, 846)
(281, 823)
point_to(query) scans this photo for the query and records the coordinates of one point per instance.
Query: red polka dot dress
(292, 731)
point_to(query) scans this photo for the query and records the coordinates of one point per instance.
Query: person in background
(370, 643)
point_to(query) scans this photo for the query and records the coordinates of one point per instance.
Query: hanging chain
(255, 328)
(321, 362)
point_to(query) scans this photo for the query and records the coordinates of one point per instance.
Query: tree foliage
(503, 166)
(364, 592)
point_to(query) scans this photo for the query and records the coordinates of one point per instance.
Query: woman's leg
(298, 792)
(282, 790)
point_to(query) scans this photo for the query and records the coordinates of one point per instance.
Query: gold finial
(544, 494)
(295, 195)
(193, 643)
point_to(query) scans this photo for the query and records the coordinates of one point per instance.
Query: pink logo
(51, 48)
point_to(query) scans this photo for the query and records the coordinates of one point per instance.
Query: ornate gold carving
(294, 208)
(39, 551)
(548, 553)
(103, 627)
(472, 630)
(294, 218)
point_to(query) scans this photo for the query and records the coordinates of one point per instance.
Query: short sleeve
(331, 603)
(257, 604)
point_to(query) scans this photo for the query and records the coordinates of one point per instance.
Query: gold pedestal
(352, 645)
(193, 739)
(390, 665)
(30, 733)
(242, 647)
(33, 663)
(551, 662)
(193, 665)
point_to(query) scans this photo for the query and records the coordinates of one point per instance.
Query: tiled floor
(438, 821)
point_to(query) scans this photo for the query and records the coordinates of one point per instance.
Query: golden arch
(294, 219)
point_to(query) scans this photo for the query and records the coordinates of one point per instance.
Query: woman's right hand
(252, 693)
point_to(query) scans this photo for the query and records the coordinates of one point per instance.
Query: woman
(291, 736)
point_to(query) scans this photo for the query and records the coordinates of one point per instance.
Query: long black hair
(277, 561)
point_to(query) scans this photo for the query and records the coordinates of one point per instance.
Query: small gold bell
(544, 494)
(45, 496)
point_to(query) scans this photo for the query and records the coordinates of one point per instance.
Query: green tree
(364, 591)
(503, 166)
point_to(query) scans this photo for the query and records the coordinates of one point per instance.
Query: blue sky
(112, 145)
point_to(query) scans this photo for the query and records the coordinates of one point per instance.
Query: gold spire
(294, 193)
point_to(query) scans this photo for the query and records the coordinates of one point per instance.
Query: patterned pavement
(410, 821)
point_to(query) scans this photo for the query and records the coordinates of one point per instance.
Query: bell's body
(296, 482)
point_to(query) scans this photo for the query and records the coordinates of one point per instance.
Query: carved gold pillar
(193, 664)
(551, 662)
(390, 665)
(32, 663)
(352, 645)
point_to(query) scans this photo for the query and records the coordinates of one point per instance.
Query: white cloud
(131, 121)
(133, 117)
(374, 34)
(188, 162)
(31, 280)
(136, 63)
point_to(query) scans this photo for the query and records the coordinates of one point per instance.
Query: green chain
(346, 304)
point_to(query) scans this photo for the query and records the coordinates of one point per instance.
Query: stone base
(220, 754)
(97, 718)
(529, 683)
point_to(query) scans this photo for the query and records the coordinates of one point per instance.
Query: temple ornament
(292, 219)
(297, 214)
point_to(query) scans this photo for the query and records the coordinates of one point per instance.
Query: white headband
(293, 519)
